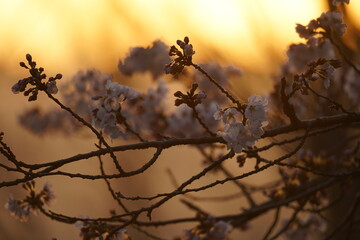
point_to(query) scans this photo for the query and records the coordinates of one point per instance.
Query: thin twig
(227, 94)
(111, 190)
(289, 222)
(229, 175)
(273, 225)
(347, 60)
(98, 135)
(196, 115)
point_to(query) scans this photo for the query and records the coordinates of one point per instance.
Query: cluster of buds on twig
(322, 69)
(190, 98)
(100, 230)
(292, 181)
(325, 162)
(21, 209)
(208, 228)
(241, 159)
(184, 57)
(35, 80)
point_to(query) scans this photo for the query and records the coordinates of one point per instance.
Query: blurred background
(71, 35)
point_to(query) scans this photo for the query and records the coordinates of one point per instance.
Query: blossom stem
(129, 128)
(275, 221)
(111, 190)
(228, 95)
(292, 219)
(196, 114)
(347, 60)
(337, 105)
(228, 174)
(99, 136)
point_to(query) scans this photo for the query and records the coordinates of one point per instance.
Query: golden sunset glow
(97, 33)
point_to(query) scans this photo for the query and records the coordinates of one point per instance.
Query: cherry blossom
(256, 108)
(220, 231)
(105, 115)
(21, 209)
(121, 235)
(187, 48)
(51, 87)
(332, 21)
(150, 59)
(237, 136)
(227, 116)
(107, 121)
(302, 54)
(17, 209)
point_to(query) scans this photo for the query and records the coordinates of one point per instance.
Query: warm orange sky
(72, 34)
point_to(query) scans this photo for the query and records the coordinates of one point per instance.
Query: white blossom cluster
(150, 59)
(316, 45)
(121, 235)
(332, 21)
(301, 54)
(51, 87)
(18, 209)
(40, 122)
(239, 135)
(21, 209)
(220, 231)
(78, 92)
(324, 71)
(318, 34)
(328, 74)
(186, 47)
(150, 111)
(105, 115)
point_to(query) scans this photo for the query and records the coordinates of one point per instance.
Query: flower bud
(178, 94)
(58, 76)
(178, 102)
(186, 40)
(201, 95)
(15, 88)
(28, 57)
(22, 64)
